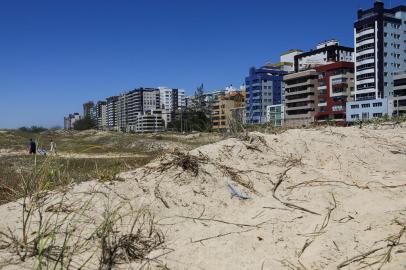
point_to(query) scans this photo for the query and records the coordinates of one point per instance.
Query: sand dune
(328, 198)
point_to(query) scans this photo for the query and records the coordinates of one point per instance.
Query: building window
(376, 115)
(366, 105)
(355, 106)
(378, 104)
(355, 116)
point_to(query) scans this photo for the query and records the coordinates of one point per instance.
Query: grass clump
(118, 246)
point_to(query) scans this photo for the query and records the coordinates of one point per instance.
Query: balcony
(308, 106)
(309, 98)
(308, 90)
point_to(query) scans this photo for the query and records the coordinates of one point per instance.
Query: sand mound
(330, 198)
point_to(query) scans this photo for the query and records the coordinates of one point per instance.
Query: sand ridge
(325, 198)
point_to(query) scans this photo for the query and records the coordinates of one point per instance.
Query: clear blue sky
(57, 54)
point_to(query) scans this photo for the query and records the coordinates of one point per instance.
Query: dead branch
(392, 241)
(281, 178)
(158, 195)
(313, 183)
(218, 236)
(241, 225)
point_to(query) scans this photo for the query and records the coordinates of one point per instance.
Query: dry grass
(185, 161)
(59, 172)
(120, 246)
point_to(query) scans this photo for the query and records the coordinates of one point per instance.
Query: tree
(85, 123)
(190, 120)
(199, 100)
(33, 129)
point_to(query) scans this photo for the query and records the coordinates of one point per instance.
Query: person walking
(33, 147)
(53, 147)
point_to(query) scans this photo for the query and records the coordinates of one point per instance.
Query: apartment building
(380, 54)
(326, 52)
(141, 101)
(275, 115)
(264, 88)
(300, 97)
(70, 120)
(223, 112)
(334, 87)
(171, 100)
(89, 109)
(149, 121)
(122, 112)
(111, 112)
(399, 94)
(101, 115)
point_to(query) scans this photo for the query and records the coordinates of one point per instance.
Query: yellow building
(222, 110)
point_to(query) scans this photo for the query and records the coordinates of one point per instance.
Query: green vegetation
(190, 121)
(85, 123)
(33, 129)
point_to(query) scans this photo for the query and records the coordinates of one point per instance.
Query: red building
(335, 85)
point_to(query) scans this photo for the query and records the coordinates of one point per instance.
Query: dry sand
(329, 198)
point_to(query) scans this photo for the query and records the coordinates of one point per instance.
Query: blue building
(264, 88)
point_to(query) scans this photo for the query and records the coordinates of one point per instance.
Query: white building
(380, 54)
(326, 52)
(70, 120)
(171, 99)
(275, 115)
(101, 115)
(148, 122)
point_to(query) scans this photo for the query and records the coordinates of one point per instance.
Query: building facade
(275, 115)
(89, 110)
(122, 112)
(141, 101)
(101, 115)
(300, 97)
(171, 100)
(380, 44)
(70, 120)
(380, 54)
(264, 87)
(325, 52)
(399, 94)
(222, 110)
(365, 110)
(148, 122)
(334, 87)
(111, 113)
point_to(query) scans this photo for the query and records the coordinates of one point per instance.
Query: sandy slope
(319, 199)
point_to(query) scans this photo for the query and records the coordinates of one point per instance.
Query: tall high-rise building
(380, 44)
(139, 102)
(111, 111)
(380, 53)
(399, 94)
(101, 115)
(264, 87)
(300, 97)
(88, 109)
(70, 120)
(171, 100)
